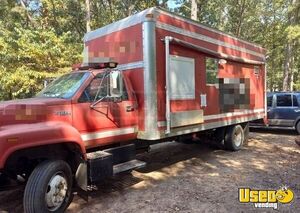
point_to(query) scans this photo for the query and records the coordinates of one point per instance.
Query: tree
(41, 39)
(30, 53)
(194, 10)
(88, 15)
(293, 20)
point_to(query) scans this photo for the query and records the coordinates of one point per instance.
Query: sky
(172, 4)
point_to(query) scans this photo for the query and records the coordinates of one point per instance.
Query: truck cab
(102, 101)
(63, 128)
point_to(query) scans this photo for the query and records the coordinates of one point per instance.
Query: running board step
(129, 165)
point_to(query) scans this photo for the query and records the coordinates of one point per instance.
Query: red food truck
(148, 78)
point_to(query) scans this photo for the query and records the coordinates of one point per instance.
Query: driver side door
(102, 119)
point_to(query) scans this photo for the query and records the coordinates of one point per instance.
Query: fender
(21, 136)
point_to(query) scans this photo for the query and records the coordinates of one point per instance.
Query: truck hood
(29, 110)
(34, 101)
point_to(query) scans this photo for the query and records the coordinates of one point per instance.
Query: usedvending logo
(266, 198)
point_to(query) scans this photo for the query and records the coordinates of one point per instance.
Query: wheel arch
(26, 159)
(23, 137)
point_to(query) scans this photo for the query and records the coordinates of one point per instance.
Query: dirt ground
(195, 178)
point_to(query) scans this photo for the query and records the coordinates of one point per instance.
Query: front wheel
(234, 138)
(49, 188)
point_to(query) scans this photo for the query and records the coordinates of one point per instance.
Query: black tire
(218, 138)
(39, 184)
(234, 138)
(246, 134)
(298, 127)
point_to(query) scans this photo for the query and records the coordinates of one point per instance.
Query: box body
(168, 58)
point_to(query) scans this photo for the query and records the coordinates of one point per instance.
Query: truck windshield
(64, 86)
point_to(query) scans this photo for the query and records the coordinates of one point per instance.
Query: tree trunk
(194, 10)
(288, 77)
(288, 61)
(129, 7)
(56, 24)
(292, 80)
(88, 16)
(29, 18)
(241, 14)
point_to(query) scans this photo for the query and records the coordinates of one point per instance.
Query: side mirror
(115, 84)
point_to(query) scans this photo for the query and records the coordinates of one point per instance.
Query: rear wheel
(49, 188)
(234, 137)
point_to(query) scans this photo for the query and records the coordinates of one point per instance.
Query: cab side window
(89, 94)
(99, 89)
(284, 100)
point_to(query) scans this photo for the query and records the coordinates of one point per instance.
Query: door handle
(297, 110)
(129, 108)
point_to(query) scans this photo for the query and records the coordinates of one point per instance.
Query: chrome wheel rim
(238, 138)
(56, 192)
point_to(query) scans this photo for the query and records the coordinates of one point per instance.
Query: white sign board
(182, 78)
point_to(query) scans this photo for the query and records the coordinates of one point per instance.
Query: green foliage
(22, 83)
(106, 12)
(29, 56)
(41, 39)
(31, 51)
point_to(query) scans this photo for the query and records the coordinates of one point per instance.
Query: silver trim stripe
(150, 80)
(215, 53)
(161, 123)
(108, 133)
(231, 114)
(201, 127)
(167, 75)
(129, 66)
(219, 116)
(205, 38)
